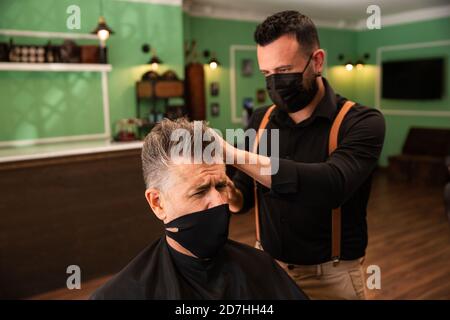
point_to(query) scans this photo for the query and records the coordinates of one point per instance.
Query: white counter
(42, 151)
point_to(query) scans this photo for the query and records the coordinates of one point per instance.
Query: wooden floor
(409, 239)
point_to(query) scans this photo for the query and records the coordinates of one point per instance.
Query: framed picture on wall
(261, 95)
(215, 109)
(214, 89)
(247, 67)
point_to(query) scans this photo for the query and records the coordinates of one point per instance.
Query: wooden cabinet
(87, 210)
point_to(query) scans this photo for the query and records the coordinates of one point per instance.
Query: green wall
(397, 126)
(358, 85)
(54, 104)
(44, 104)
(219, 35)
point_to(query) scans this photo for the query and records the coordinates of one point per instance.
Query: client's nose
(216, 198)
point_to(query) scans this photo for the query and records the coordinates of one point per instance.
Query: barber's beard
(309, 90)
(310, 86)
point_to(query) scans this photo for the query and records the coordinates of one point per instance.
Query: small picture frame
(215, 109)
(261, 96)
(214, 89)
(247, 67)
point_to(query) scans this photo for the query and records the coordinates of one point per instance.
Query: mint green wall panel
(77, 96)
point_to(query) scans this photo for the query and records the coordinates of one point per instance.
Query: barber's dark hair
(288, 22)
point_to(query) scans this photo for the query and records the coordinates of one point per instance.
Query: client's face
(192, 188)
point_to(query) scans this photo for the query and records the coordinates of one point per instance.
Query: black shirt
(295, 214)
(160, 272)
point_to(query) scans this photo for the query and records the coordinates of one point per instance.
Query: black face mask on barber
(288, 92)
(204, 232)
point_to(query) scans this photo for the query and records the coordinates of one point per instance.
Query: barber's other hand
(235, 198)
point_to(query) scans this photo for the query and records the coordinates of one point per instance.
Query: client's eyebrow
(206, 186)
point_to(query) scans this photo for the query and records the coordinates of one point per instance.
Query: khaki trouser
(326, 281)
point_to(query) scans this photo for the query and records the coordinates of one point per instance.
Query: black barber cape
(237, 272)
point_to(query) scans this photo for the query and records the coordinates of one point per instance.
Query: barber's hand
(228, 151)
(235, 198)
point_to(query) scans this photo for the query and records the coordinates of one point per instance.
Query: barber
(311, 208)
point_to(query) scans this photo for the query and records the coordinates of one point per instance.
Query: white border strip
(166, 2)
(388, 111)
(53, 67)
(117, 146)
(47, 34)
(31, 142)
(210, 11)
(416, 15)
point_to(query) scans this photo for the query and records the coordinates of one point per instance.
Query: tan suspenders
(332, 145)
(262, 126)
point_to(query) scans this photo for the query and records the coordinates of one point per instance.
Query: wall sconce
(360, 63)
(213, 62)
(103, 31)
(154, 61)
(348, 64)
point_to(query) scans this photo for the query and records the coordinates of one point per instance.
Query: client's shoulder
(249, 253)
(128, 283)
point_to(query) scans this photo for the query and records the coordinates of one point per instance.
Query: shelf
(46, 35)
(44, 151)
(57, 67)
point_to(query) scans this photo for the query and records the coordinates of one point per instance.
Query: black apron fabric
(237, 272)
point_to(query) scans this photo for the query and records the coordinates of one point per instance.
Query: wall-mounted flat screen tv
(419, 79)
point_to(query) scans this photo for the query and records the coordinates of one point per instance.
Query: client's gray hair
(156, 151)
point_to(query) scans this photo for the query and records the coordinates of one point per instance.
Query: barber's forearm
(254, 165)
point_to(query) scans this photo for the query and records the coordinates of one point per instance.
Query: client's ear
(155, 201)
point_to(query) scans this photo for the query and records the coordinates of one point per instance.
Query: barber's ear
(156, 202)
(319, 58)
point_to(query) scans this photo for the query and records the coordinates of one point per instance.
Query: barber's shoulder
(358, 109)
(257, 116)
(360, 112)
(364, 119)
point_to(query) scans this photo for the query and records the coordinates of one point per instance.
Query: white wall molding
(166, 2)
(400, 112)
(106, 125)
(409, 17)
(68, 149)
(197, 10)
(235, 118)
(209, 11)
(39, 141)
(416, 113)
(54, 67)
(47, 34)
(61, 67)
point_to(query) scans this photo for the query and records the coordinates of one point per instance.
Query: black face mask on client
(288, 92)
(204, 232)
